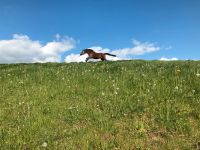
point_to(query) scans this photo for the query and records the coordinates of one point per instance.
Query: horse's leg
(87, 59)
(103, 57)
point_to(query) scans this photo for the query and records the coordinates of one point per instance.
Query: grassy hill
(103, 105)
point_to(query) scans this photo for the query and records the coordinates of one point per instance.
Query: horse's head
(86, 51)
(83, 52)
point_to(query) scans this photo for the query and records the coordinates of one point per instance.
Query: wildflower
(125, 114)
(21, 82)
(193, 91)
(71, 108)
(103, 93)
(44, 144)
(178, 70)
(176, 88)
(197, 74)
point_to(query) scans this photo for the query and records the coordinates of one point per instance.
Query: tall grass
(104, 105)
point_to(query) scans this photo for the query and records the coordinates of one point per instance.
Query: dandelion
(44, 144)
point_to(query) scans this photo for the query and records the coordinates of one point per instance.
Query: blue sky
(172, 25)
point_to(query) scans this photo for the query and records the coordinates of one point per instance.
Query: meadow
(100, 105)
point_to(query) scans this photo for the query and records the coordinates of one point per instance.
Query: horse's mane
(88, 50)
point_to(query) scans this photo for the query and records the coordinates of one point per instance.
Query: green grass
(104, 105)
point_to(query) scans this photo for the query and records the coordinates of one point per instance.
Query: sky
(58, 30)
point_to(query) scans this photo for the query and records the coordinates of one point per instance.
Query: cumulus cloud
(168, 59)
(75, 58)
(99, 49)
(21, 49)
(139, 48)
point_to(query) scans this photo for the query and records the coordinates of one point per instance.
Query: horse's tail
(110, 54)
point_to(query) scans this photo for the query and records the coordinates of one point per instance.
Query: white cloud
(139, 48)
(23, 49)
(57, 37)
(99, 49)
(75, 58)
(168, 59)
(168, 48)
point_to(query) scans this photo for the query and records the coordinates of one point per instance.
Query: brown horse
(94, 55)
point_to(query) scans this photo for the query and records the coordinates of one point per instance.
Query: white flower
(176, 88)
(44, 144)
(21, 82)
(197, 74)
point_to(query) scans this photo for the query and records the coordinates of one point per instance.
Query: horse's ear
(82, 52)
